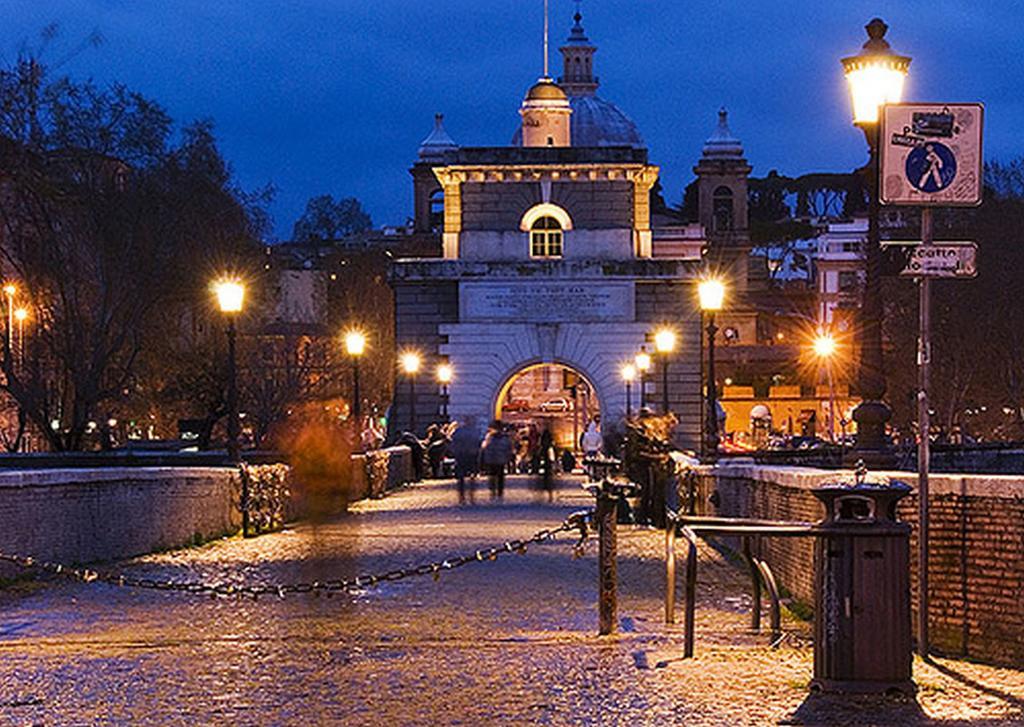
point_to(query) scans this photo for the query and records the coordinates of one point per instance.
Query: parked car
(516, 405)
(558, 404)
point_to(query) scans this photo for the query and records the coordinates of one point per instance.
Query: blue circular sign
(931, 167)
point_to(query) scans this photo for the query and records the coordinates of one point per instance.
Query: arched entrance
(549, 396)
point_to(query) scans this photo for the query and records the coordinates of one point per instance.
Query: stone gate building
(550, 255)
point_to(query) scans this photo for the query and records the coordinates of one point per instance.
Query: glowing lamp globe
(628, 373)
(643, 361)
(444, 374)
(712, 294)
(230, 295)
(355, 343)
(665, 340)
(410, 361)
(875, 75)
(824, 345)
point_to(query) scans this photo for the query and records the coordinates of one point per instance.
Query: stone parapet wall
(85, 515)
(976, 561)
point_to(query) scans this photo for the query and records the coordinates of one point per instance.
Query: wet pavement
(511, 641)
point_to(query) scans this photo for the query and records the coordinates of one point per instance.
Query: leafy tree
(326, 218)
(111, 232)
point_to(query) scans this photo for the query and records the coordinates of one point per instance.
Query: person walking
(496, 453)
(465, 449)
(546, 463)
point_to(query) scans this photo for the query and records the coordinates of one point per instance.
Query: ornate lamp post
(10, 290)
(410, 361)
(628, 376)
(444, 378)
(21, 315)
(711, 293)
(355, 347)
(665, 344)
(825, 349)
(230, 296)
(643, 365)
(875, 77)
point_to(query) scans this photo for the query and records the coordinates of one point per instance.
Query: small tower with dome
(722, 187)
(546, 113)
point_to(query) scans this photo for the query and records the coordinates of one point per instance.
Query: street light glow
(444, 373)
(628, 373)
(355, 342)
(643, 361)
(824, 345)
(230, 294)
(875, 75)
(711, 293)
(10, 289)
(665, 340)
(410, 361)
(20, 314)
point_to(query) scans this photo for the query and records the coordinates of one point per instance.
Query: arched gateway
(550, 257)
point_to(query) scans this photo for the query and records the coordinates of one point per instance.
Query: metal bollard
(607, 494)
(670, 567)
(607, 599)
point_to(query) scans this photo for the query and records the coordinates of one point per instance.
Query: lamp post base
(872, 444)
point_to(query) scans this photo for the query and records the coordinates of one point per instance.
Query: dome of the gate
(596, 122)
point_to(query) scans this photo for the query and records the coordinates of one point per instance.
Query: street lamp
(643, 365)
(21, 315)
(711, 293)
(10, 290)
(825, 349)
(410, 361)
(444, 377)
(628, 376)
(876, 76)
(355, 346)
(230, 294)
(664, 343)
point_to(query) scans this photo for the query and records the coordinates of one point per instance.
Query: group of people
(502, 449)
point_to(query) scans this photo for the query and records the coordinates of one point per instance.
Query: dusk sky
(334, 96)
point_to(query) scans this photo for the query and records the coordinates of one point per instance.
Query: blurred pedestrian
(465, 449)
(496, 452)
(437, 448)
(546, 463)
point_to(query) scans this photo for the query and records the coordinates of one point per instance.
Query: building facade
(549, 257)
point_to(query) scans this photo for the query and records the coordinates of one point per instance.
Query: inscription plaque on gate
(548, 301)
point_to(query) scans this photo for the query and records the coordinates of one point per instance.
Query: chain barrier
(577, 521)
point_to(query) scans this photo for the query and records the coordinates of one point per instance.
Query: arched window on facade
(722, 209)
(546, 238)
(437, 210)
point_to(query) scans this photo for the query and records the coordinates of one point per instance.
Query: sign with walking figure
(931, 155)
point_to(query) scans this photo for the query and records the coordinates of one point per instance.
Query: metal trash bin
(862, 630)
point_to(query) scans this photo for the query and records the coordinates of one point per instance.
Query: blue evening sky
(334, 96)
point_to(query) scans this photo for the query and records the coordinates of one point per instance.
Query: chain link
(577, 521)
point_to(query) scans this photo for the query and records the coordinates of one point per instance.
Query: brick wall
(591, 205)
(674, 304)
(976, 559)
(419, 309)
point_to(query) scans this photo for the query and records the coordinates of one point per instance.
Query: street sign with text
(944, 260)
(931, 155)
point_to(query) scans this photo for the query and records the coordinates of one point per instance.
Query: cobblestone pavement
(505, 642)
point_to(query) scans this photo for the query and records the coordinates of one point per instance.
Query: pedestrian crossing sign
(931, 155)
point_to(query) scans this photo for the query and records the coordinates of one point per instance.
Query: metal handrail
(750, 530)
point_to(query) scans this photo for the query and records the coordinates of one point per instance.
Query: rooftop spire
(546, 74)
(722, 143)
